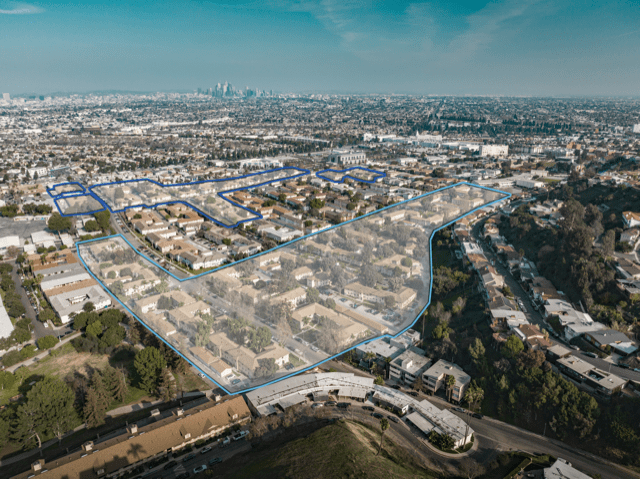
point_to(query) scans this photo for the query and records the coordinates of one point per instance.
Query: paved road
(494, 434)
(535, 317)
(38, 328)
(41, 355)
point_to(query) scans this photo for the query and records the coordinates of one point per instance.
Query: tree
(88, 307)
(474, 395)
(149, 363)
(58, 223)
(51, 404)
(379, 380)
(418, 384)
(91, 226)
(450, 383)
(94, 409)
(47, 342)
(477, 350)
(530, 359)
(168, 389)
(384, 425)
(512, 347)
(120, 386)
(99, 386)
(26, 426)
(102, 218)
(267, 368)
(608, 243)
(94, 329)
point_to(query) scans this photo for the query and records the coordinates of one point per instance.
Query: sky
(512, 47)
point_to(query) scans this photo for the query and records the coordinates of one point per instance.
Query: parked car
(344, 405)
(331, 403)
(189, 457)
(239, 435)
(590, 354)
(477, 415)
(215, 460)
(624, 366)
(184, 475)
(201, 468)
(459, 409)
(394, 419)
(368, 408)
(317, 404)
(377, 415)
(170, 465)
(205, 450)
(225, 442)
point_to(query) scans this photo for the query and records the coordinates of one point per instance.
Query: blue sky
(531, 47)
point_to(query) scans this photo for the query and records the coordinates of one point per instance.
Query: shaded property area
(291, 308)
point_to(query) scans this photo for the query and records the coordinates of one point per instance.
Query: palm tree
(369, 356)
(387, 366)
(450, 382)
(384, 425)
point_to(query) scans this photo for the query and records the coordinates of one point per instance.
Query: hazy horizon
(527, 48)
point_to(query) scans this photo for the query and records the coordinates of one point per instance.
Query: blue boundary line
(380, 174)
(368, 340)
(50, 190)
(60, 197)
(256, 215)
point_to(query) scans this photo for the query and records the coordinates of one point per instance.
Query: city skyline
(469, 48)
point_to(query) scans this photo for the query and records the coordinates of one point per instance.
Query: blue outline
(368, 340)
(257, 215)
(63, 197)
(380, 174)
(81, 190)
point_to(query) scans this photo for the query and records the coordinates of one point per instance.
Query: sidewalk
(43, 354)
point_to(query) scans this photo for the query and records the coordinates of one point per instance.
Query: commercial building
(494, 150)
(348, 157)
(117, 456)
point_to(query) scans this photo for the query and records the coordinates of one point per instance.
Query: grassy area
(340, 450)
(295, 360)
(550, 180)
(64, 361)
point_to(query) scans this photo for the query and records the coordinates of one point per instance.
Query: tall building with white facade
(494, 150)
(6, 96)
(348, 157)
(636, 128)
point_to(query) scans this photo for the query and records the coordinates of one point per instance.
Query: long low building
(117, 456)
(271, 398)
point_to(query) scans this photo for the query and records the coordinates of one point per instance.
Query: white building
(7, 242)
(435, 377)
(6, 326)
(636, 128)
(494, 150)
(347, 157)
(562, 469)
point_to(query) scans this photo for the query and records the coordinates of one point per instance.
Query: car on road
(573, 346)
(395, 386)
(317, 404)
(189, 457)
(170, 465)
(215, 460)
(459, 409)
(624, 366)
(477, 415)
(590, 354)
(377, 415)
(368, 408)
(205, 450)
(331, 403)
(394, 419)
(235, 381)
(201, 468)
(344, 405)
(414, 393)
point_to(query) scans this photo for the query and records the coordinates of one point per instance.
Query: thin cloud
(22, 9)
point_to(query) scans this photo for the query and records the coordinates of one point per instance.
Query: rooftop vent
(87, 446)
(132, 429)
(38, 465)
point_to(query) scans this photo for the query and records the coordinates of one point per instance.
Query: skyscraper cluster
(226, 90)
